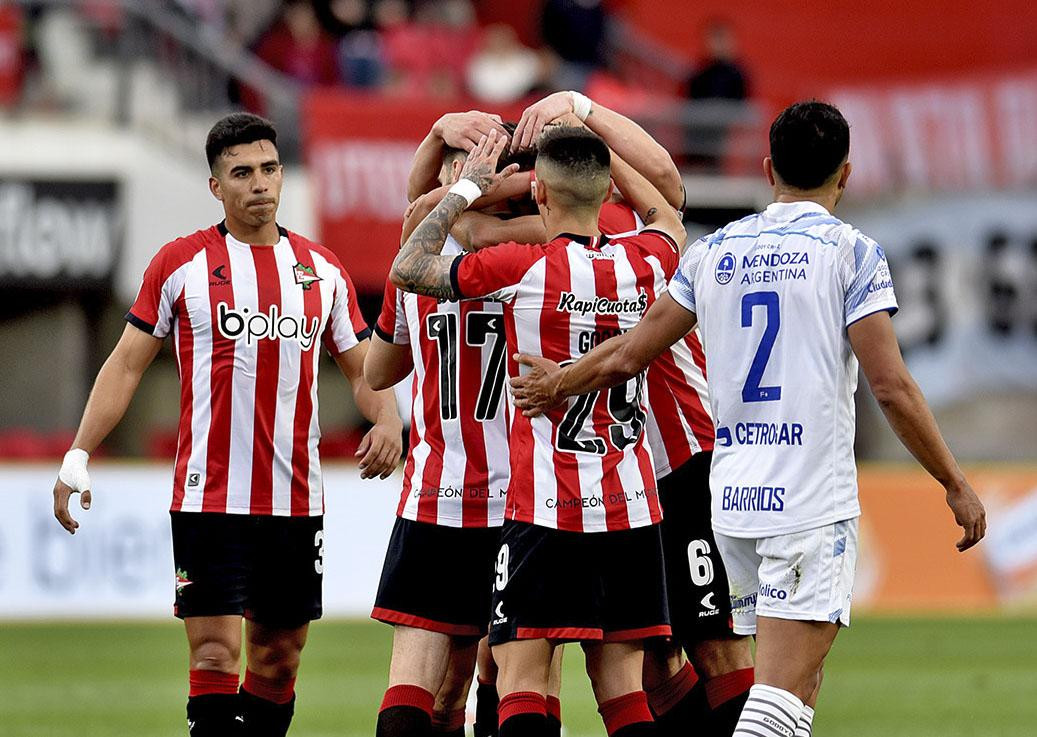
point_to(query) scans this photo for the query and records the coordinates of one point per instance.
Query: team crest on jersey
(305, 275)
(182, 581)
(725, 268)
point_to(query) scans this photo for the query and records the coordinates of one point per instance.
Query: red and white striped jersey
(457, 469)
(679, 420)
(583, 466)
(246, 321)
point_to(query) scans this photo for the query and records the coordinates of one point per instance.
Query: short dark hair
(574, 149)
(235, 129)
(575, 163)
(526, 158)
(809, 142)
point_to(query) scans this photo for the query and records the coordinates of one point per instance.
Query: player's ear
(214, 187)
(844, 175)
(455, 171)
(539, 191)
(768, 170)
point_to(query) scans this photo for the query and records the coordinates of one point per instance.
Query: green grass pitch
(885, 678)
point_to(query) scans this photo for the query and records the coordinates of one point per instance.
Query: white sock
(769, 712)
(806, 722)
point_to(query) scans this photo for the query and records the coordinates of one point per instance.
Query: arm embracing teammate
(769, 292)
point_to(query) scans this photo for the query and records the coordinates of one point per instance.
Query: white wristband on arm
(581, 104)
(467, 189)
(73, 470)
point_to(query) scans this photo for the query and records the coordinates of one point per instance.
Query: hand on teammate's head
(536, 116)
(464, 130)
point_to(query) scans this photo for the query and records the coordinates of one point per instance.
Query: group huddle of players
(570, 477)
(580, 557)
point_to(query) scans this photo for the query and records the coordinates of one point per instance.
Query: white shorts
(803, 575)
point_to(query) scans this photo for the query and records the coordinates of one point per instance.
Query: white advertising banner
(120, 561)
(965, 272)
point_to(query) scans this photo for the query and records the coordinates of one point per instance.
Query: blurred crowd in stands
(428, 48)
(438, 48)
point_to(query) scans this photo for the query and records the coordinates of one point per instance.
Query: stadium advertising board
(359, 151)
(119, 563)
(971, 134)
(59, 233)
(965, 272)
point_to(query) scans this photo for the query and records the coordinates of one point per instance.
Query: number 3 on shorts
(502, 567)
(699, 563)
(318, 542)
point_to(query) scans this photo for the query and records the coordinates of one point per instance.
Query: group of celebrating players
(570, 477)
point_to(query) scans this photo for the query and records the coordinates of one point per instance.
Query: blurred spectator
(720, 76)
(299, 47)
(427, 55)
(360, 52)
(503, 70)
(575, 31)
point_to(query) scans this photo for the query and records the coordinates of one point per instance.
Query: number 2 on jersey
(480, 328)
(751, 390)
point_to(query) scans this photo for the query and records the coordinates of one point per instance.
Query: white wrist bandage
(73, 470)
(581, 105)
(467, 189)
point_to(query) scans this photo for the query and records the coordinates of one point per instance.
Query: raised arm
(457, 130)
(649, 203)
(612, 362)
(380, 449)
(623, 135)
(420, 267)
(114, 387)
(875, 344)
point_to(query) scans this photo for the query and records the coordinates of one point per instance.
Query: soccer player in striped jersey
(581, 555)
(707, 694)
(452, 504)
(248, 305)
(788, 302)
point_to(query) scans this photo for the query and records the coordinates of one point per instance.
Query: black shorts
(265, 568)
(438, 578)
(696, 580)
(589, 586)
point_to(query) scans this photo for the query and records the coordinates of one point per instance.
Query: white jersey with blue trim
(774, 294)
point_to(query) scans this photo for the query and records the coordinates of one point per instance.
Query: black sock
(687, 716)
(639, 729)
(486, 701)
(554, 726)
(525, 725)
(448, 723)
(215, 715)
(265, 718)
(725, 717)
(403, 721)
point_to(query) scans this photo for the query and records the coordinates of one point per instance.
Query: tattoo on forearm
(420, 265)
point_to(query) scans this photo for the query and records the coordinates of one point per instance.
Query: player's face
(247, 180)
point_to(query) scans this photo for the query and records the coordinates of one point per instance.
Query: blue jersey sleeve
(871, 288)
